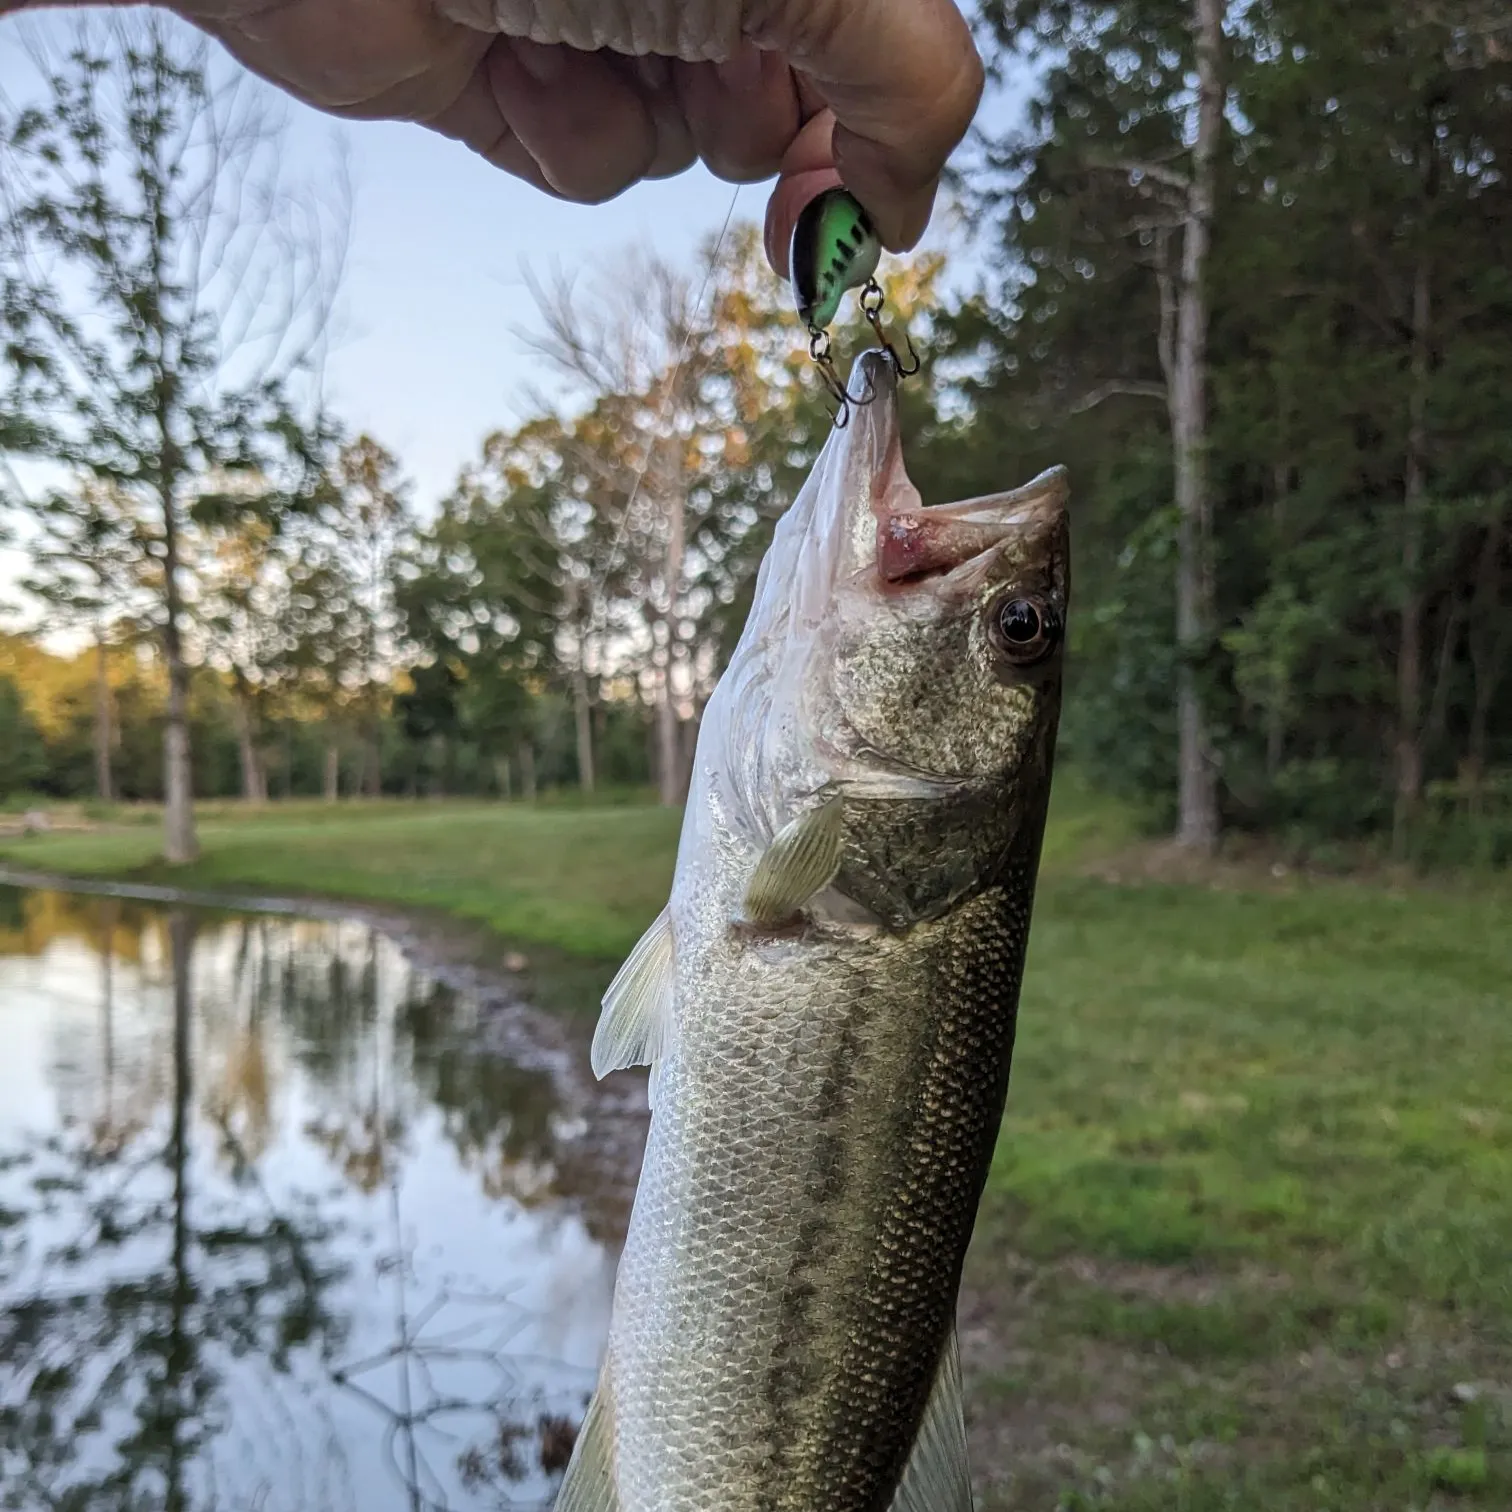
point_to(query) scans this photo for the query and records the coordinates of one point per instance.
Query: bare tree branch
(1139, 168)
(1132, 387)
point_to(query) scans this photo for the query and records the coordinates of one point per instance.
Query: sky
(426, 351)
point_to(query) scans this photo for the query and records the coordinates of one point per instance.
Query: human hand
(583, 98)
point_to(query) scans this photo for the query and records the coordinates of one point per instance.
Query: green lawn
(586, 880)
(1256, 1180)
(1248, 1240)
(583, 879)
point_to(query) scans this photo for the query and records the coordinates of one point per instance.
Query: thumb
(903, 79)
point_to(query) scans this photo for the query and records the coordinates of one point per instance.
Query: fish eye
(1024, 629)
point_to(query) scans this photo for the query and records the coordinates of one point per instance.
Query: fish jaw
(858, 555)
(942, 542)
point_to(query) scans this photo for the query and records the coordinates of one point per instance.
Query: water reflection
(280, 1226)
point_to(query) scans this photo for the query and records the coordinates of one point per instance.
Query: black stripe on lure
(836, 249)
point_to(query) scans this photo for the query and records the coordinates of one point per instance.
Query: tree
(1385, 194)
(345, 578)
(161, 294)
(243, 615)
(23, 758)
(486, 592)
(1355, 470)
(699, 421)
(1117, 179)
(81, 572)
(630, 349)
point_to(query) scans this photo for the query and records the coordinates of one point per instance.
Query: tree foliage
(1360, 455)
(1297, 439)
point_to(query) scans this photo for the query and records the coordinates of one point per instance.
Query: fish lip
(950, 546)
(1040, 501)
(889, 540)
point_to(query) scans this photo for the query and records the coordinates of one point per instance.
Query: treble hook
(819, 350)
(872, 299)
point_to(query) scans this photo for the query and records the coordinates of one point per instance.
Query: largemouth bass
(827, 1004)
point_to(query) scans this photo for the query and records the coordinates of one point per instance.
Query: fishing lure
(835, 249)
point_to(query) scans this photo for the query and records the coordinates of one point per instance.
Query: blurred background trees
(1245, 271)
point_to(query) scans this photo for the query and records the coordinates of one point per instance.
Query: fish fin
(834, 907)
(588, 1483)
(801, 860)
(936, 1478)
(632, 1027)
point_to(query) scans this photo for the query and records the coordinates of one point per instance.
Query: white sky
(426, 355)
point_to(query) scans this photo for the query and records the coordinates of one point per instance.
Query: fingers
(807, 169)
(651, 75)
(742, 114)
(903, 79)
(475, 119)
(586, 125)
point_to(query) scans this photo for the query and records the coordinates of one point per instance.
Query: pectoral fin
(638, 1005)
(588, 1484)
(936, 1478)
(801, 860)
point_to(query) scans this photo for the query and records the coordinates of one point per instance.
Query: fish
(827, 1004)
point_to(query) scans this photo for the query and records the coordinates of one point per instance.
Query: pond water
(287, 1222)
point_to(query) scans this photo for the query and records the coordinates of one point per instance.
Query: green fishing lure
(835, 249)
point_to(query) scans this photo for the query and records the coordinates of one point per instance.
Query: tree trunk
(668, 751)
(687, 750)
(372, 764)
(582, 704)
(1280, 692)
(1488, 639)
(668, 763)
(254, 787)
(582, 711)
(103, 736)
(1197, 786)
(331, 777)
(180, 845)
(527, 771)
(1409, 732)
(502, 777)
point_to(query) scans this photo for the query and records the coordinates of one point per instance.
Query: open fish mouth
(946, 546)
(954, 542)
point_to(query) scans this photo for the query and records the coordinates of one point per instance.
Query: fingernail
(776, 252)
(544, 63)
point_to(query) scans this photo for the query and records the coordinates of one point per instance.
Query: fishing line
(612, 560)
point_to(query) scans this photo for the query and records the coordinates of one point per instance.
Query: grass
(1251, 1216)
(584, 880)
(1247, 1243)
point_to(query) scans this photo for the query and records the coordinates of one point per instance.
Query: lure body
(835, 249)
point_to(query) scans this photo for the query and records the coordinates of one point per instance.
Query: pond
(287, 1221)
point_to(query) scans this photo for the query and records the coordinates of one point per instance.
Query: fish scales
(836, 1288)
(827, 1087)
